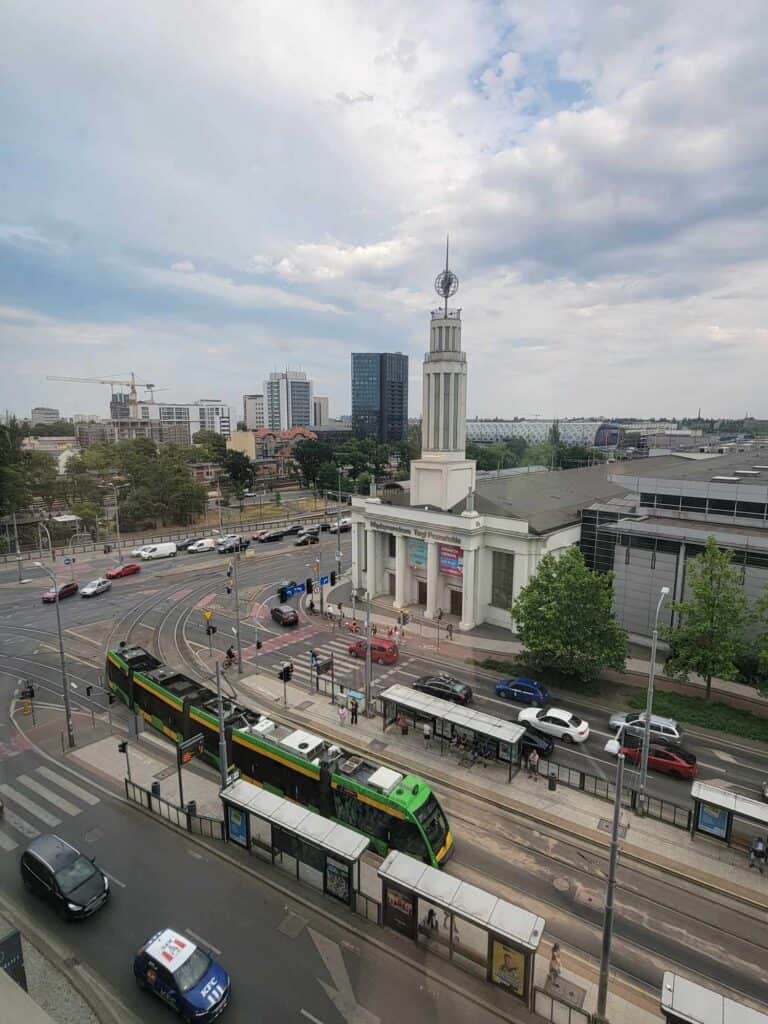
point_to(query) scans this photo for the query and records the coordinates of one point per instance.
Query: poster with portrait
(508, 968)
(399, 910)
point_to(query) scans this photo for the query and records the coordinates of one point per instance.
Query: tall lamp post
(338, 530)
(605, 953)
(368, 665)
(236, 588)
(642, 799)
(117, 523)
(64, 681)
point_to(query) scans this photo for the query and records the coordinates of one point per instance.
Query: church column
(469, 590)
(401, 569)
(432, 579)
(371, 577)
(357, 577)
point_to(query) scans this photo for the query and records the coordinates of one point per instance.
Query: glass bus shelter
(721, 814)
(493, 738)
(476, 930)
(308, 846)
(686, 1002)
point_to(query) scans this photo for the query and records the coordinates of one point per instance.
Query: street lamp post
(117, 523)
(64, 680)
(368, 665)
(605, 954)
(338, 529)
(642, 798)
(236, 588)
(223, 769)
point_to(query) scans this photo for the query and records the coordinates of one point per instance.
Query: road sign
(324, 580)
(207, 614)
(297, 588)
(187, 749)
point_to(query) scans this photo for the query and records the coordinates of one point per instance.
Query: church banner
(451, 559)
(417, 554)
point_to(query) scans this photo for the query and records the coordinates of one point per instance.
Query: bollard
(552, 782)
(156, 789)
(192, 807)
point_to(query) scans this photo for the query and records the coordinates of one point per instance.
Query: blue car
(183, 975)
(525, 691)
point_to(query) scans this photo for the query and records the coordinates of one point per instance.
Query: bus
(395, 810)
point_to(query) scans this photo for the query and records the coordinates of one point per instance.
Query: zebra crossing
(23, 817)
(346, 666)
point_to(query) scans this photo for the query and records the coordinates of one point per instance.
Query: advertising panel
(713, 821)
(237, 825)
(399, 911)
(417, 554)
(508, 968)
(450, 559)
(337, 880)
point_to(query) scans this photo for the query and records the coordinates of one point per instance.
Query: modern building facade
(253, 411)
(581, 432)
(287, 400)
(319, 411)
(380, 395)
(43, 414)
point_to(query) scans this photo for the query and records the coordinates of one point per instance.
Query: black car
(288, 531)
(324, 527)
(271, 535)
(232, 544)
(533, 740)
(285, 615)
(59, 873)
(445, 686)
(182, 545)
(305, 539)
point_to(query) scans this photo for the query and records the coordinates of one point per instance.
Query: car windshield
(192, 971)
(573, 720)
(431, 818)
(74, 874)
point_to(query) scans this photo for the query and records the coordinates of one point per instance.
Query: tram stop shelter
(314, 849)
(496, 738)
(476, 930)
(686, 1002)
(727, 816)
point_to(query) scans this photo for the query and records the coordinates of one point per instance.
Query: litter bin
(156, 789)
(192, 807)
(107, 548)
(552, 781)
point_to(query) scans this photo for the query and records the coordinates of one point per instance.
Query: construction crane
(130, 384)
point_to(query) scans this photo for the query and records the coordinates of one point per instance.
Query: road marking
(88, 640)
(310, 1016)
(113, 879)
(725, 757)
(6, 843)
(202, 941)
(19, 824)
(70, 787)
(48, 794)
(30, 805)
(342, 995)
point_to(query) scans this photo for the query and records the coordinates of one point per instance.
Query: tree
(565, 617)
(710, 631)
(309, 456)
(213, 444)
(363, 483)
(328, 476)
(761, 646)
(239, 468)
(14, 493)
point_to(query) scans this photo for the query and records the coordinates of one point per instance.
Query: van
(343, 525)
(159, 551)
(383, 651)
(206, 544)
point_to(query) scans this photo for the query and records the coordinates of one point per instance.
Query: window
(502, 579)
(392, 545)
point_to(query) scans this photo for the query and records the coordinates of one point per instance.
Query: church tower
(443, 476)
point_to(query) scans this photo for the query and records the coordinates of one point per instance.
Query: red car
(65, 590)
(123, 570)
(673, 760)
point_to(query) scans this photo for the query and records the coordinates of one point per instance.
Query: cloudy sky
(202, 192)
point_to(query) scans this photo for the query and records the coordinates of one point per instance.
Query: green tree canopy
(328, 476)
(213, 444)
(310, 455)
(238, 465)
(565, 619)
(712, 621)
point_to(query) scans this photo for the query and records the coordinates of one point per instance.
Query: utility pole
(223, 769)
(368, 665)
(64, 680)
(235, 561)
(642, 797)
(18, 550)
(117, 523)
(605, 954)
(338, 530)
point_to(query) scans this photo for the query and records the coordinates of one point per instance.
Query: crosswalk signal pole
(223, 768)
(64, 680)
(368, 665)
(235, 561)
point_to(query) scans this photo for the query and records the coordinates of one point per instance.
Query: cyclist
(229, 657)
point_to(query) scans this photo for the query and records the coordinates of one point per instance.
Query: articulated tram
(395, 810)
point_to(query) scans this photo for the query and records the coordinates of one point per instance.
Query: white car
(564, 725)
(136, 552)
(95, 587)
(206, 544)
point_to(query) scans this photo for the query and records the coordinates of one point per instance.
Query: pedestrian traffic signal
(210, 630)
(282, 595)
(228, 589)
(289, 671)
(111, 698)
(333, 578)
(310, 585)
(258, 645)
(88, 691)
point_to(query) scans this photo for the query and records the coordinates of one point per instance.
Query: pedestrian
(342, 715)
(373, 629)
(555, 966)
(449, 630)
(353, 709)
(341, 612)
(757, 854)
(533, 766)
(427, 734)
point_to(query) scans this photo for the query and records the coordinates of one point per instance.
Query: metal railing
(605, 789)
(556, 1011)
(181, 817)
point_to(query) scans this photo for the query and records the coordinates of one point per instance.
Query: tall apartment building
(253, 411)
(42, 414)
(320, 411)
(380, 395)
(287, 400)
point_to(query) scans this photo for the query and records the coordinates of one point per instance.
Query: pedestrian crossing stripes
(46, 784)
(345, 664)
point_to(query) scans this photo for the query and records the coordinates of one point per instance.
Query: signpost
(12, 957)
(186, 750)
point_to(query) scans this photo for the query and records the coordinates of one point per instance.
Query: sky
(204, 192)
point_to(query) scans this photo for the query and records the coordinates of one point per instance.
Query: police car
(183, 975)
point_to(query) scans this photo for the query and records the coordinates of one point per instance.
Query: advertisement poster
(337, 879)
(508, 968)
(450, 559)
(399, 911)
(417, 554)
(237, 825)
(713, 820)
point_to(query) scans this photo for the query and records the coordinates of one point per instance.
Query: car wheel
(379, 661)
(141, 983)
(566, 737)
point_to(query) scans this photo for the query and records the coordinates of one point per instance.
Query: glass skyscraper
(380, 395)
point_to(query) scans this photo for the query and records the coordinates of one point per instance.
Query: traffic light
(289, 671)
(88, 691)
(111, 698)
(228, 589)
(122, 746)
(333, 577)
(310, 585)
(258, 645)
(210, 630)
(282, 595)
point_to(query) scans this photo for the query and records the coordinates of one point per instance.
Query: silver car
(634, 722)
(95, 587)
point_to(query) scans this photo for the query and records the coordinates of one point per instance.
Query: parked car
(60, 874)
(183, 975)
(167, 550)
(228, 545)
(445, 686)
(258, 535)
(136, 552)
(663, 757)
(324, 527)
(383, 651)
(126, 569)
(288, 531)
(532, 740)
(309, 529)
(95, 587)
(557, 722)
(526, 691)
(183, 545)
(269, 535)
(65, 590)
(634, 722)
(306, 539)
(343, 525)
(206, 544)
(285, 615)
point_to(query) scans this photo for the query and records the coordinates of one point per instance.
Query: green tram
(395, 810)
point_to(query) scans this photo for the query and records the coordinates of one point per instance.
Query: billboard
(450, 559)
(417, 554)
